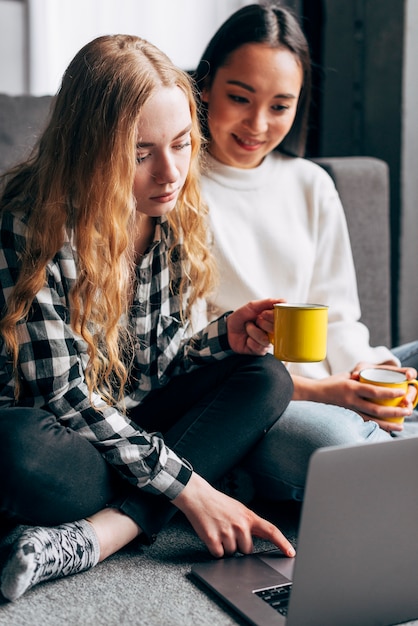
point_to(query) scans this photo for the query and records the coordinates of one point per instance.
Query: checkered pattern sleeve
(52, 361)
(211, 343)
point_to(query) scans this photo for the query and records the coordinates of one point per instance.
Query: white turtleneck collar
(238, 178)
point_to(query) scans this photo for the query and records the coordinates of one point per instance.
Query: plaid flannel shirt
(52, 358)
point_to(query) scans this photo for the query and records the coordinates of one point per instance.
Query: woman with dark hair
(273, 27)
(279, 227)
(115, 412)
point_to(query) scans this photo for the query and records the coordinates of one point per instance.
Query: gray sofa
(152, 586)
(362, 182)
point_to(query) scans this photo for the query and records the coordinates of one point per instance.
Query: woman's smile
(248, 144)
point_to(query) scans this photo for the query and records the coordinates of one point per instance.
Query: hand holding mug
(390, 379)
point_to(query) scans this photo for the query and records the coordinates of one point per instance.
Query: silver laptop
(357, 549)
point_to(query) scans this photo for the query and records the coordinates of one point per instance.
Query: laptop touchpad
(282, 564)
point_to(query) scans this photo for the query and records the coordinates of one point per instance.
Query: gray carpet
(146, 586)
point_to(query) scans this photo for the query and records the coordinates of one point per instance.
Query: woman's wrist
(306, 389)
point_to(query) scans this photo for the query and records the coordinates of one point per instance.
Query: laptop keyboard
(276, 597)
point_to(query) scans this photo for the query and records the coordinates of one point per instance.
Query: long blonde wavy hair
(80, 177)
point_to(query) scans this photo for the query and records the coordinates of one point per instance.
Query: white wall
(12, 47)
(408, 319)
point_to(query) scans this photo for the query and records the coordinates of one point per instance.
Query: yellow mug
(388, 378)
(300, 332)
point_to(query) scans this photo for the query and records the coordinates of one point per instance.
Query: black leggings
(213, 417)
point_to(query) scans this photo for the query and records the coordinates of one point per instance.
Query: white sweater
(280, 231)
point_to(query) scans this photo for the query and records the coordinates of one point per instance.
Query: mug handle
(415, 384)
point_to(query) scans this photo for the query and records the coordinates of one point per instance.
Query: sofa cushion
(22, 118)
(363, 185)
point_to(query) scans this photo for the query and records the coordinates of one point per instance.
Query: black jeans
(212, 416)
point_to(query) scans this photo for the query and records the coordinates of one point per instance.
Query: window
(58, 29)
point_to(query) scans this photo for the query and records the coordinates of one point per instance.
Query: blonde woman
(114, 412)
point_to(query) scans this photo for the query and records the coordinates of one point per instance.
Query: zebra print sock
(43, 553)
